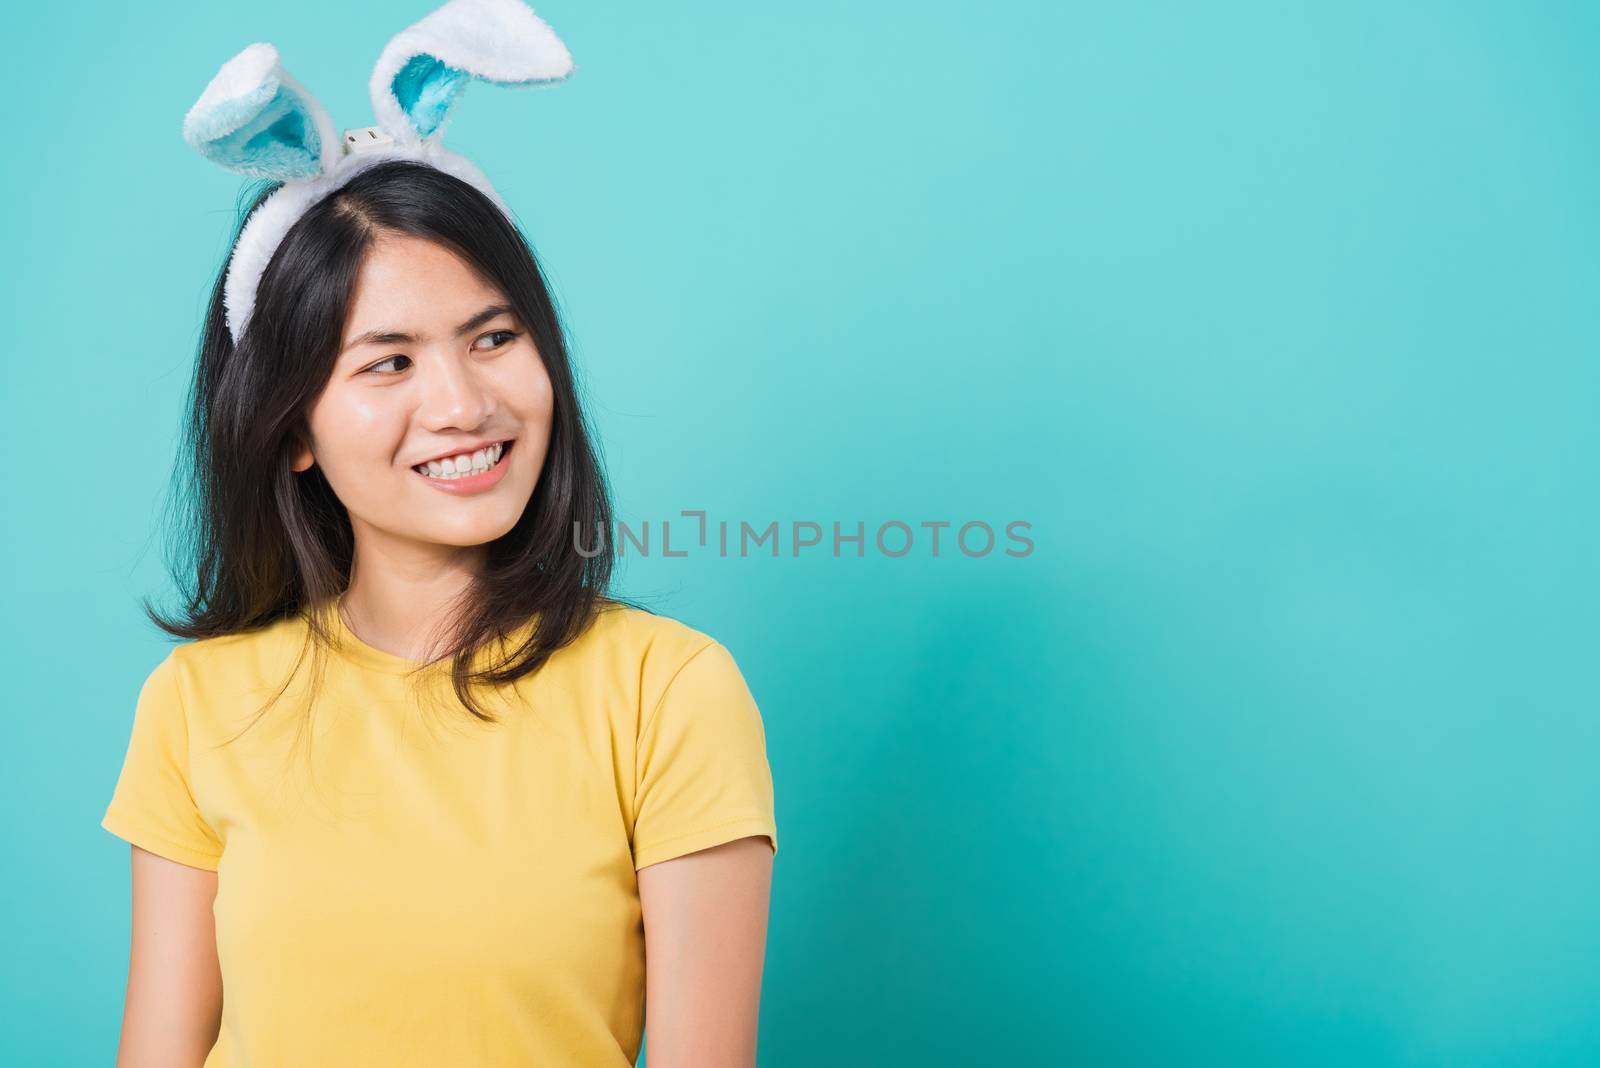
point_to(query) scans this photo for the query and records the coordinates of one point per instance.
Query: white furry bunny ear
(255, 120)
(425, 67)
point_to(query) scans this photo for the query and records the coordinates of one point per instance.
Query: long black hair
(258, 542)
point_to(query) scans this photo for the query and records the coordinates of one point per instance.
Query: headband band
(255, 119)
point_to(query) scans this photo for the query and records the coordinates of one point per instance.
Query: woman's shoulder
(647, 655)
(206, 680)
(644, 633)
(644, 645)
(268, 647)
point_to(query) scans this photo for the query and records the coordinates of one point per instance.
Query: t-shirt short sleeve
(153, 804)
(702, 776)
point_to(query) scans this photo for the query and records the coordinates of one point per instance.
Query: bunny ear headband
(256, 120)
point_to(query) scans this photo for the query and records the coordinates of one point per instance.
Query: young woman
(455, 832)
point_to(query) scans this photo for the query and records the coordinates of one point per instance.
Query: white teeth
(467, 463)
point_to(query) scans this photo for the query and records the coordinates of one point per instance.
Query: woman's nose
(453, 395)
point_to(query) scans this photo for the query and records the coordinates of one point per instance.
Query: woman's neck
(401, 603)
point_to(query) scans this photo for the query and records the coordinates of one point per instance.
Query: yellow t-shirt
(440, 891)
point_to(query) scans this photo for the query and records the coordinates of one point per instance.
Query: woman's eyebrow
(399, 337)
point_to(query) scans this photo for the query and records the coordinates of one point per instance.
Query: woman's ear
(300, 456)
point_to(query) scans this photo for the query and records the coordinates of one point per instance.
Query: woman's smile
(467, 473)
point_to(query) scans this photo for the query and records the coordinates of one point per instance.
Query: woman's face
(454, 371)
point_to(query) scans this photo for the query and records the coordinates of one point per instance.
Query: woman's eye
(506, 334)
(391, 359)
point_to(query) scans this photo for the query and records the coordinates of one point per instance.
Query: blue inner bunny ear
(279, 141)
(254, 119)
(424, 68)
(426, 87)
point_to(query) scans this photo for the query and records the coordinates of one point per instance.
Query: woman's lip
(465, 451)
(470, 484)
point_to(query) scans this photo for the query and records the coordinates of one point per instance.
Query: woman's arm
(705, 931)
(174, 1005)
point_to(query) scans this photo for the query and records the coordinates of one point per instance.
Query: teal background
(1277, 322)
